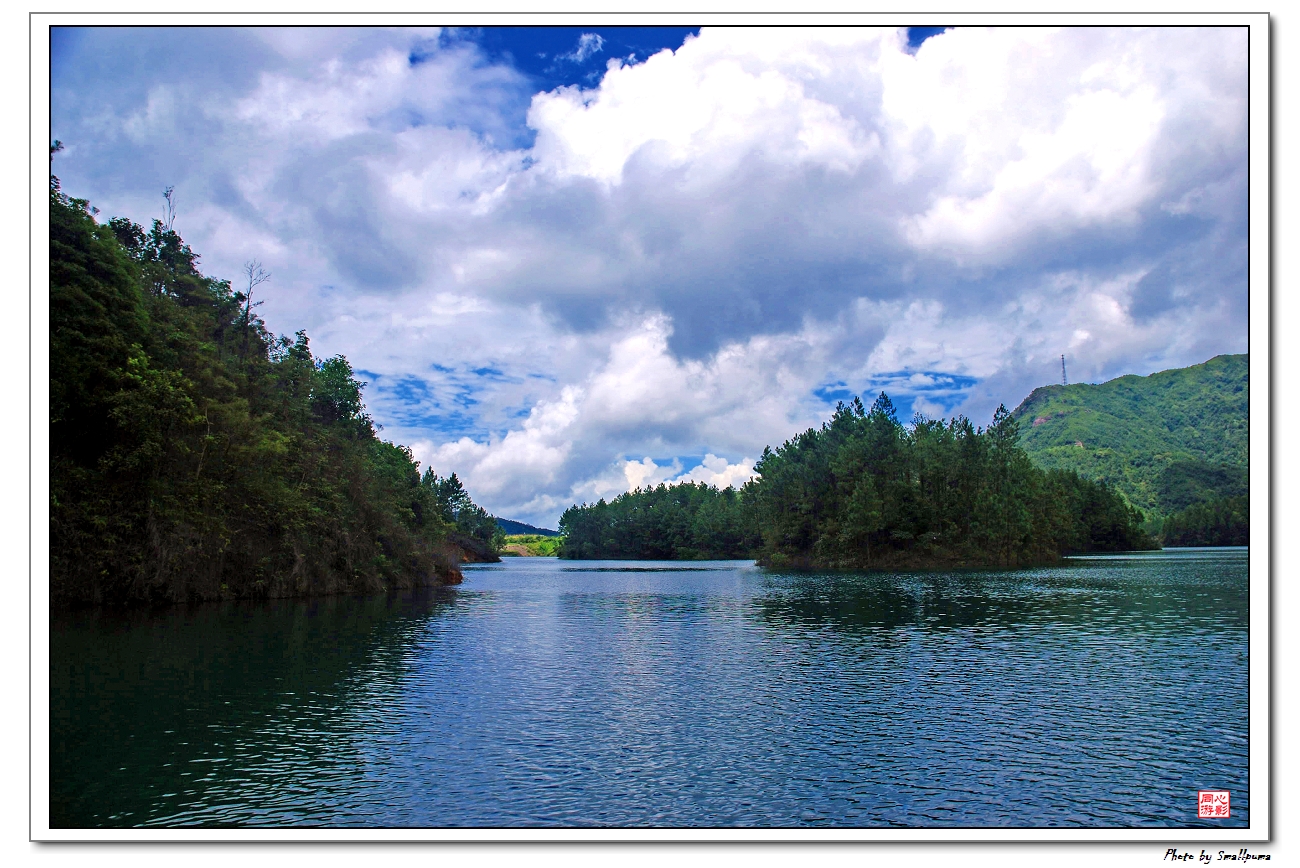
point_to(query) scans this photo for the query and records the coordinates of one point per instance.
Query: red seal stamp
(1212, 804)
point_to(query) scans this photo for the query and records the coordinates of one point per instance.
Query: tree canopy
(194, 455)
(685, 521)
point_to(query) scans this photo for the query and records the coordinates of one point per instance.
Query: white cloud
(385, 92)
(707, 107)
(688, 250)
(1054, 129)
(589, 44)
(646, 473)
(720, 473)
(639, 400)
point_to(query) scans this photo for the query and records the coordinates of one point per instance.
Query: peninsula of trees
(864, 491)
(196, 456)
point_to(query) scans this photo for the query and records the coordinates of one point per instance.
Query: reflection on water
(642, 567)
(1147, 592)
(1101, 693)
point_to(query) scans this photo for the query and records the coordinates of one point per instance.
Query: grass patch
(531, 545)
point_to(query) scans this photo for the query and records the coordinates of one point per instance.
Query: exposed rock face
(472, 551)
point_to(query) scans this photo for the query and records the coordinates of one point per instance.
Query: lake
(1101, 693)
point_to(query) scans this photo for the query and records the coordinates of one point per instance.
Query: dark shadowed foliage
(865, 491)
(1223, 521)
(196, 456)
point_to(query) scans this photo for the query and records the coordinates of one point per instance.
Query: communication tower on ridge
(1063, 381)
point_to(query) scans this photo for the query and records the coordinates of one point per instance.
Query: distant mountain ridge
(1166, 441)
(518, 527)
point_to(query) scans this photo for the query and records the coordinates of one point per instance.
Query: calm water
(550, 693)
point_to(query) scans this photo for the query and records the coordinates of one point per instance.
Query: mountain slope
(518, 527)
(1166, 441)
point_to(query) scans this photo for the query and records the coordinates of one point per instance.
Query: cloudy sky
(568, 261)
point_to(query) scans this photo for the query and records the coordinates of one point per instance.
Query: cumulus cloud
(564, 294)
(640, 412)
(718, 472)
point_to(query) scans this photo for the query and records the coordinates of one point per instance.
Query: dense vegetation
(865, 491)
(1223, 521)
(685, 521)
(1167, 442)
(1187, 483)
(531, 545)
(196, 456)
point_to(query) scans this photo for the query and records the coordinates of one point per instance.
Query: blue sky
(572, 260)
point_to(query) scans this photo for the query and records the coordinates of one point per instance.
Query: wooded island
(863, 491)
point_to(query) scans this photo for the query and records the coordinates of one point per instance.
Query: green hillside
(1168, 442)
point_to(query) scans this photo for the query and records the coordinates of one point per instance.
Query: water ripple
(1103, 693)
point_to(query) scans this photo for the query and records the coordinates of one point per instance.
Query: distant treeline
(678, 522)
(866, 491)
(196, 456)
(1221, 522)
(515, 528)
(1210, 505)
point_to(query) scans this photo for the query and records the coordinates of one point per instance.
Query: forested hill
(1170, 441)
(196, 456)
(518, 527)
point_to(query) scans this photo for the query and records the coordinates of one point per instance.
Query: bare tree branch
(169, 195)
(256, 275)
